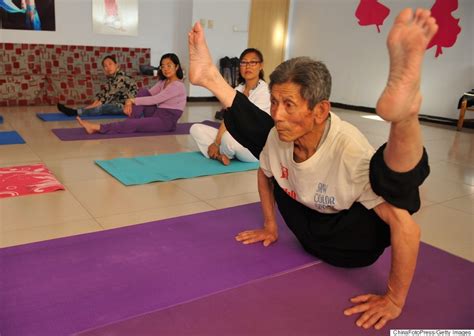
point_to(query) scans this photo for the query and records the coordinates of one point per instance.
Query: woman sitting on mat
(153, 110)
(112, 97)
(219, 144)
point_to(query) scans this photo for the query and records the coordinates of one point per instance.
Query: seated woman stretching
(219, 144)
(153, 110)
(112, 97)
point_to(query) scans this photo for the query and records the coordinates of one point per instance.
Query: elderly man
(343, 201)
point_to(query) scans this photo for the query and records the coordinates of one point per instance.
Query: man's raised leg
(202, 71)
(399, 104)
(401, 99)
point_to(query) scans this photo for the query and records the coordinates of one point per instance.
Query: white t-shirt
(333, 178)
(260, 96)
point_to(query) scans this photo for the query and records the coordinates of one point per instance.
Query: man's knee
(398, 189)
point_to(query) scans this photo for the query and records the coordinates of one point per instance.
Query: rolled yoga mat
(1, 119)
(63, 286)
(63, 117)
(72, 134)
(167, 167)
(10, 138)
(311, 301)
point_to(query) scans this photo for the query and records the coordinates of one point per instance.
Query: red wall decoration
(449, 28)
(371, 12)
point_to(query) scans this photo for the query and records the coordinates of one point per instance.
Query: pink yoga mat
(25, 180)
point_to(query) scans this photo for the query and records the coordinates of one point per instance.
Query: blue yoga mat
(167, 167)
(10, 138)
(63, 117)
(1, 119)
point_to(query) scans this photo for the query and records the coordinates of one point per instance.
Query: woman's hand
(213, 151)
(127, 108)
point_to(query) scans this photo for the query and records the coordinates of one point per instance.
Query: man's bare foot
(406, 42)
(88, 126)
(223, 159)
(201, 68)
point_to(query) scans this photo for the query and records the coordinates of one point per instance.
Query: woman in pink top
(153, 110)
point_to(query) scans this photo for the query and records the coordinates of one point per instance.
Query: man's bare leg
(202, 71)
(88, 126)
(401, 99)
(399, 104)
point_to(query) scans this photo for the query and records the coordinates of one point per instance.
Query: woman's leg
(164, 120)
(138, 110)
(231, 148)
(204, 136)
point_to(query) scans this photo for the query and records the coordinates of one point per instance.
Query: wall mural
(117, 17)
(372, 12)
(449, 28)
(27, 15)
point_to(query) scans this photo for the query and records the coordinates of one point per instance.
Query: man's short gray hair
(312, 76)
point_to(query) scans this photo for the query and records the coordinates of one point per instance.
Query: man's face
(110, 67)
(293, 119)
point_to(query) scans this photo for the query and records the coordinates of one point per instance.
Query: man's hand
(253, 236)
(376, 310)
(213, 151)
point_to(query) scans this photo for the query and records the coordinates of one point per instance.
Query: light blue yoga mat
(10, 138)
(167, 167)
(63, 117)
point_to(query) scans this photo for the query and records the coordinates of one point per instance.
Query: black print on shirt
(321, 200)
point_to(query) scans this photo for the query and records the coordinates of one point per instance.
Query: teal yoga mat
(167, 167)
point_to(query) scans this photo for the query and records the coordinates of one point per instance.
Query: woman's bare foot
(223, 159)
(88, 126)
(201, 68)
(406, 42)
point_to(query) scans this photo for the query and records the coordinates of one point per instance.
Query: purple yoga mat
(311, 301)
(72, 134)
(67, 285)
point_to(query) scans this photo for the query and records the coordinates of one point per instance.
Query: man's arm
(405, 238)
(269, 233)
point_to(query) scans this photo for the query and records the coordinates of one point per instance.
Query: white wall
(163, 27)
(327, 30)
(160, 27)
(222, 40)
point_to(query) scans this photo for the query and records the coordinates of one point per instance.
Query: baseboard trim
(201, 99)
(468, 123)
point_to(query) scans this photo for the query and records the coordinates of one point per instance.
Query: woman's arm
(172, 90)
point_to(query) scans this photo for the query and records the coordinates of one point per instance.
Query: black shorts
(351, 238)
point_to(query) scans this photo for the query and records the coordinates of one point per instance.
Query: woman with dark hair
(219, 144)
(111, 99)
(153, 110)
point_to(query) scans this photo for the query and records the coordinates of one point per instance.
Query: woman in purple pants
(153, 110)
